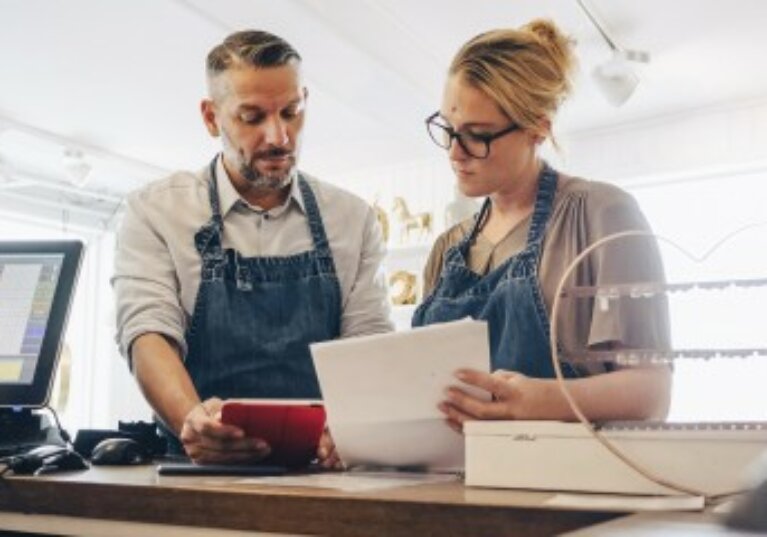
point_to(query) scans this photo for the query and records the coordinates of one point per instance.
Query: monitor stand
(23, 428)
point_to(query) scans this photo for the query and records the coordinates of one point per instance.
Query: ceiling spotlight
(75, 166)
(615, 77)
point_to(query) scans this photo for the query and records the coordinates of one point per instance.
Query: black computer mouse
(47, 459)
(118, 452)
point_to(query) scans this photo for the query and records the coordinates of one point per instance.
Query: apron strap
(544, 202)
(207, 240)
(316, 226)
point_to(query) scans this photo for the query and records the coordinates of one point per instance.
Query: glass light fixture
(76, 167)
(615, 78)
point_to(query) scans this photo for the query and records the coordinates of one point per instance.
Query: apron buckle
(243, 278)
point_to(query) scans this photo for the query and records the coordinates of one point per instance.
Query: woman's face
(471, 113)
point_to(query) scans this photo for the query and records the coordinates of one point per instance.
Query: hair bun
(559, 45)
(544, 29)
(549, 35)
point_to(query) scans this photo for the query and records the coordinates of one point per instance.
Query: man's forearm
(163, 379)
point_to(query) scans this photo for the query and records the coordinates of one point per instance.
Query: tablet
(189, 468)
(291, 428)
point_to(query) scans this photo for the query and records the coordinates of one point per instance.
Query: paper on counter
(352, 481)
(624, 502)
(381, 393)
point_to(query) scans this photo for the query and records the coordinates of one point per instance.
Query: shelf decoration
(703, 459)
(733, 442)
(416, 226)
(403, 288)
(383, 220)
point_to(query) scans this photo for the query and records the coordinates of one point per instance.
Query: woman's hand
(514, 396)
(207, 440)
(626, 394)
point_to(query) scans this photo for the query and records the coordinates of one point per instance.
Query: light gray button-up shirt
(157, 267)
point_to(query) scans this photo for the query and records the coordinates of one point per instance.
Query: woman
(504, 265)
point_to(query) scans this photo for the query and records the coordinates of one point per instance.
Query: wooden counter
(138, 494)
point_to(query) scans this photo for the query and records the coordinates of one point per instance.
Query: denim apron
(508, 298)
(254, 317)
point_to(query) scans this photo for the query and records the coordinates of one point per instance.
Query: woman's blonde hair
(526, 71)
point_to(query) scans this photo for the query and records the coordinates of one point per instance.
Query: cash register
(37, 282)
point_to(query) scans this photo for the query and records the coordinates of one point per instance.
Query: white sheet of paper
(623, 502)
(381, 393)
(352, 481)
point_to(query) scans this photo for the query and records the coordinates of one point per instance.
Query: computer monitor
(37, 282)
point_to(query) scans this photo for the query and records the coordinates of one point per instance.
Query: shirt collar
(229, 197)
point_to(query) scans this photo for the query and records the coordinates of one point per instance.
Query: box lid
(639, 430)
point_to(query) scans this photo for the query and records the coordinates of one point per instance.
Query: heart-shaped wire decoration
(637, 289)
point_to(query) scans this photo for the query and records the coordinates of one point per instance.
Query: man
(224, 277)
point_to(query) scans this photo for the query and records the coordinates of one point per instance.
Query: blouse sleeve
(587, 212)
(631, 322)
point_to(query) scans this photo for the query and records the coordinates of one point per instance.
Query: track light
(76, 167)
(615, 77)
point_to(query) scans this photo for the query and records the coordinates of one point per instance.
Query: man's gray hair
(254, 48)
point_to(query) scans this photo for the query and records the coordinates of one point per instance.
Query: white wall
(686, 146)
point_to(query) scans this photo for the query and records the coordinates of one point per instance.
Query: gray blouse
(583, 212)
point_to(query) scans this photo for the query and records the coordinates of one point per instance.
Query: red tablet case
(292, 430)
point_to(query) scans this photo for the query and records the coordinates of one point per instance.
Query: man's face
(259, 114)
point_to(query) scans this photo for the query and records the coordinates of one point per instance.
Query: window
(697, 213)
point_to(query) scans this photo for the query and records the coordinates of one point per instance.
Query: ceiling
(120, 81)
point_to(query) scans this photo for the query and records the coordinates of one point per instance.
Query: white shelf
(410, 258)
(410, 249)
(401, 316)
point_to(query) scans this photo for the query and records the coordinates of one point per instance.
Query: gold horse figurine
(402, 288)
(409, 222)
(383, 220)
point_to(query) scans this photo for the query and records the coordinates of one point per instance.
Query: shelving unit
(646, 290)
(411, 258)
(410, 255)
(666, 457)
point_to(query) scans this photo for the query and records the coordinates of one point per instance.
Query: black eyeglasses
(475, 145)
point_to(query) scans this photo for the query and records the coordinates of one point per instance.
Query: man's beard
(270, 181)
(276, 180)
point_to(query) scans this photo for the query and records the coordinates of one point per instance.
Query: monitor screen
(37, 281)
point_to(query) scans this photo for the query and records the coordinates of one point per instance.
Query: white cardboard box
(563, 456)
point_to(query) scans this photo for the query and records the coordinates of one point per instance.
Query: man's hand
(207, 440)
(326, 453)
(514, 396)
